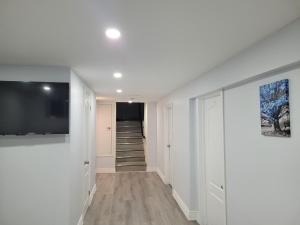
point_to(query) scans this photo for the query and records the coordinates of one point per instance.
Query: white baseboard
(80, 222)
(181, 203)
(92, 194)
(105, 170)
(160, 174)
(190, 215)
(151, 169)
(194, 216)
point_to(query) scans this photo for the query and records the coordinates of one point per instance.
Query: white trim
(113, 127)
(202, 217)
(105, 170)
(162, 177)
(189, 214)
(80, 221)
(105, 156)
(151, 169)
(92, 194)
(194, 215)
(170, 142)
(181, 203)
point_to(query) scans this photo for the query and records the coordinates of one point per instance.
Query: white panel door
(214, 160)
(104, 129)
(87, 147)
(169, 144)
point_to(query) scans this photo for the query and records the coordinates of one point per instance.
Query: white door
(104, 129)
(87, 148)
(214, 160)
(169, 142)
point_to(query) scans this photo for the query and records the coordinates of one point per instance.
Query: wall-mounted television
(34, 108)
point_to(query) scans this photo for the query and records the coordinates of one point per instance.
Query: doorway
(87, 108)
(104, 130)
(169, 146)
(212, 159)
(130, 137)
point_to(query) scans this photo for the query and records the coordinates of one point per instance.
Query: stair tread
(118, 164)
(130, 137)
(129, 131)
(128, 121)
(129, 143)
(129, 156)
(131, 150)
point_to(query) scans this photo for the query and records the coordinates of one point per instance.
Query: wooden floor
(134, 198)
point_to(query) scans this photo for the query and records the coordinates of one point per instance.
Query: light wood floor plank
(134, 198)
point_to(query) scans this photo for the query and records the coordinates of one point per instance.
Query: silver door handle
(86, 163)
(168, 146)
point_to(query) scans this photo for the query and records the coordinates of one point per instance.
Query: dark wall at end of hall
(133, 111)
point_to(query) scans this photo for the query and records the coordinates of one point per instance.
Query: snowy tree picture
(275, 109)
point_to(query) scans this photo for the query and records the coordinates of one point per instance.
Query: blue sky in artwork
(273, 96)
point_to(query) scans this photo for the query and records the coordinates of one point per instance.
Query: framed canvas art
(275, 109)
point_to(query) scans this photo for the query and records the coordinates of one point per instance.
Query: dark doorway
(130, 111)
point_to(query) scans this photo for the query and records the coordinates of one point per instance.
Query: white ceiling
(165, 43)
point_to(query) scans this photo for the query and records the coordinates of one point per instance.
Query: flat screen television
(34, 108)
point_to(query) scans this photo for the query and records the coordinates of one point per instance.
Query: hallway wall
(278, 50)
(41, 175)
(78, 147)
(34, 169)
(262, 172)
(150, 127)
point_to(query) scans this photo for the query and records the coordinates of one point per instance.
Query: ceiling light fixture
(113, 33)
(47, 88)
(130, 101)
(118, 75)
(119, 91)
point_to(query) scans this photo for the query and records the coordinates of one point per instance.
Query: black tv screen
(34, 108)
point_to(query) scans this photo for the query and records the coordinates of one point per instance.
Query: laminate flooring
(133, 198)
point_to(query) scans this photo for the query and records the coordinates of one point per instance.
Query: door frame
(87, 156)
(169, 155)
(202, 157)
(113, 128)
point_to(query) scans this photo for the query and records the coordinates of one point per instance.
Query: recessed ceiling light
(113, 33)
(118, 75)
(119, 91)
(47, 88)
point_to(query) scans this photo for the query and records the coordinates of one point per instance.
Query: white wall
(150, 126)
(262, 172)
(41, 176)
(34, 169)
(78, 146)
(278, 50)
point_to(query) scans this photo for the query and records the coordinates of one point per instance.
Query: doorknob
(86, 163)
(169, 146)
(108, 128)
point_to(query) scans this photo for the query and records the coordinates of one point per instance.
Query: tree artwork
(275, 109)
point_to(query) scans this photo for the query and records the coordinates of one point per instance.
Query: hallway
(135, 198)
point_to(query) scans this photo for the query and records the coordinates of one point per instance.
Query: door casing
(169, 144)
(202, 157)
(111, 124)
(87, 110)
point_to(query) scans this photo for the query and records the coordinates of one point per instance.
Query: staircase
(130, 147)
